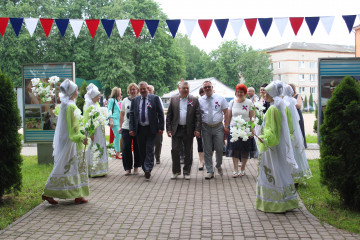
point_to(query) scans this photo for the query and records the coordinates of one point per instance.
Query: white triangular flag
(281, 24)
(327, 22)
(236, 25)
(189, 25)
(122, 25)
(31, 24)
(76, 25)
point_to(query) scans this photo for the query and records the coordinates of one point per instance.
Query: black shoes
(147, 176)
(157, 161)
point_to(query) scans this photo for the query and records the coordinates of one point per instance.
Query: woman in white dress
(69, 178)
(97, 165)
(275, 190)
(303, 171)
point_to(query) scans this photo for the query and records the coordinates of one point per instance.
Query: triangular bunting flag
(250, 24)
(327, 22)
(189, 25)
(3, 25)
(46, 24)
(221, 25)
(16, 23)
(205, 25)
(349, 20)
(281, 24)
(137, 26)
(76, 25)
(31, 24)
(152, 26)
(312, 23)
(108, 25)
(296, 23)
(173, 26)
(265, 24)
(92, 25)
(236, 25)
(62, 25)
(122, 25)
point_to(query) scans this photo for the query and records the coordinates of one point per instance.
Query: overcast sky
(232, 9)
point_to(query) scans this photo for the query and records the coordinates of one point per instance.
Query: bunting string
(266, 24)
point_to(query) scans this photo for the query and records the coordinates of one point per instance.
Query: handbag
(111, 112)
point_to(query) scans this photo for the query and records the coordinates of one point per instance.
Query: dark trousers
(127, 155)
(158, 146)
(145, 140)
(179, 139)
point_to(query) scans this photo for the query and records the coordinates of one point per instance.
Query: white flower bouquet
(241, 129)
(111, 150)
(45, 90)
(97, 152)
(259, 114)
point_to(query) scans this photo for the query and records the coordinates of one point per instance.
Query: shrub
(80, 101)
(10, 141)
(311, 102)
(316, 121)
(340, 141)
(305, 104)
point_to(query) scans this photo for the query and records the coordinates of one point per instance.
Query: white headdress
(92, 92)
(67, 89)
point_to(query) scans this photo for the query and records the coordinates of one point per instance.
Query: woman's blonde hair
(115, 93)
(132, 85)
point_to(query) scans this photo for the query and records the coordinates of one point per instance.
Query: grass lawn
(325, 206)
(311, 138)
(34, 180)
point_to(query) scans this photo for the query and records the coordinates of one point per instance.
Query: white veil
(92, 92)
(275, 89)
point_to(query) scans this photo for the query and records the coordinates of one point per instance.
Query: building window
(312, 77)
(301, 64)
(312, 89)
(301, 77)
(279, 65)
(279, 77)
(312, 64)
(301, 89)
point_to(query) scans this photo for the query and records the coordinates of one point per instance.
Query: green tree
(10, 142)
(306, 103)
(311, 102)
(339, 149)
(80, 101)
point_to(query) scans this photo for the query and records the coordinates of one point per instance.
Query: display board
(39, 118)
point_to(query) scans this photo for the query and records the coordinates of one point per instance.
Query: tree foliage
(306, 103)
(340, 152)
(80, 101)
(10, 142)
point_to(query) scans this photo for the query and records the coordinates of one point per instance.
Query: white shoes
(174, 176)
(209, 176)
(187, 177)
(241, 173)
(220, 171)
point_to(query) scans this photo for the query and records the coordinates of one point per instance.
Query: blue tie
(143, 111)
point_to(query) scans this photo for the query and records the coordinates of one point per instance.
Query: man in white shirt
(213, 110)
(251, 93)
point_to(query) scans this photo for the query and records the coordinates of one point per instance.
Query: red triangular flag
(250, 25)
(46, 23)
(296, 23)
(205, 25)
(137, 25)
(92, 25)
(3, 25)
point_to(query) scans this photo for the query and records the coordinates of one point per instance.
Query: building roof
(219, 87)
(312, 47)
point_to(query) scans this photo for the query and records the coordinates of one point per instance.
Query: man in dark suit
(183, 122)
(146, 120)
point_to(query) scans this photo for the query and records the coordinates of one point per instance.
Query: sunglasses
(207, 87)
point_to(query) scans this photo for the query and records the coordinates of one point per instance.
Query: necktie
(210, 112)
(143, 111)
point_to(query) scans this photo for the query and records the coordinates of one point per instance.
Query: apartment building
(297, 63)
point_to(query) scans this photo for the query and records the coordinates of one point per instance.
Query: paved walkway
(123, 207)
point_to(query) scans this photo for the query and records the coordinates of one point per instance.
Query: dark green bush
(10, 141)
(311, 102)
(340, 143)
(80, 101)
(305, 104)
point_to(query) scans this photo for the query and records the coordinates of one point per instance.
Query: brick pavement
(123, 207)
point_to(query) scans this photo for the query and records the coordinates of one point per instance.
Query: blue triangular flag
(62, 25)
(349, 20)
(16, 23)
(221, 25)
(108, 25)
(152, 26)
(312, 23)
(265, 24)
(173, 26)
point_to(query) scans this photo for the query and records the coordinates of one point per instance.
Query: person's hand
(120, 131)
(85, 141)
(132, 133)
(226, 130)
(160, 132)
(92, 137)
(111, 124)
(169, 133)
(197, 134)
